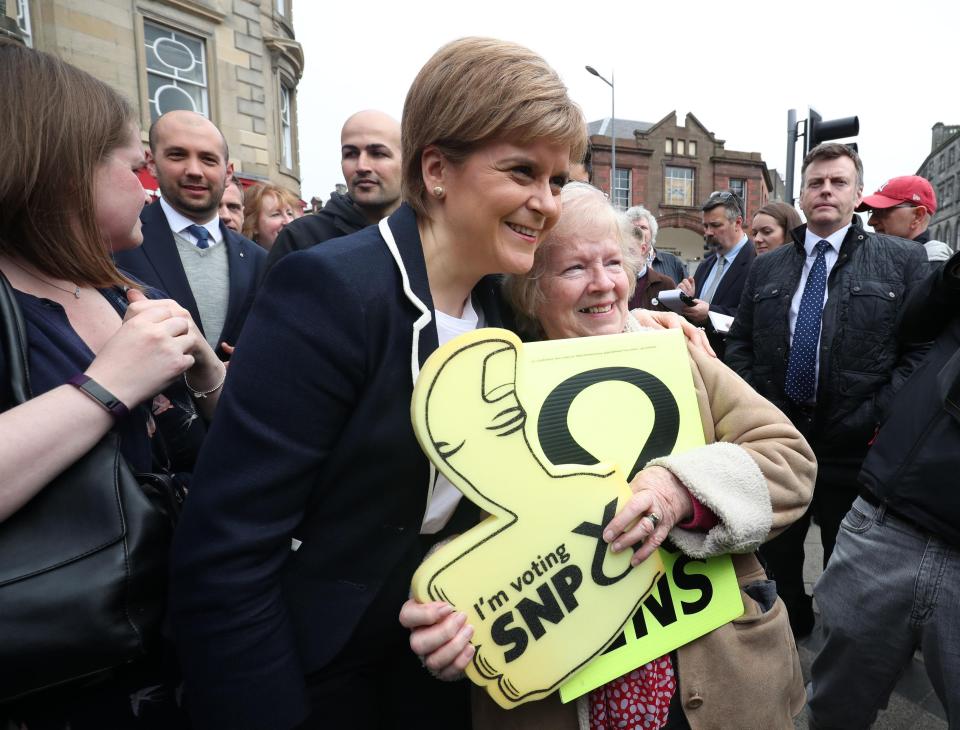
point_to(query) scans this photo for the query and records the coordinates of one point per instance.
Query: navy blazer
(312, 442)
(157, 264)
(727, 297)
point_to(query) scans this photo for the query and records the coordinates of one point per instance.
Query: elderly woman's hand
(439, 636)
(668, 320)
(658, 503)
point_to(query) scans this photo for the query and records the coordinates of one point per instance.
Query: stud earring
(438, 191)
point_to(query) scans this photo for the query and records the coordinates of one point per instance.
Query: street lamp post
(613, 126)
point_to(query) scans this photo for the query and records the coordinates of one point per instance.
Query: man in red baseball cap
(902, 207)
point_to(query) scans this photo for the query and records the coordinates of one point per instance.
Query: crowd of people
(263, 361)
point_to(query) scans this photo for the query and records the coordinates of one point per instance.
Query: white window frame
(23, 22)
(175, 35)
(742, 193)
(621, 193)
(286, 126)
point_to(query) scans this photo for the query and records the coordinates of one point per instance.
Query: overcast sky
(738, 66)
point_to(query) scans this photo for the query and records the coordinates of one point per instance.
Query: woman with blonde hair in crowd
(97, 352)
(267, 210)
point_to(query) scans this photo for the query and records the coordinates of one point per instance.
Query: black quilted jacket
(861, 360)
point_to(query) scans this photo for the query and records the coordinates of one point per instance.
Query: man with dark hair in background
(187, 251)
(718, 280)
(370, 160)
(231, 205)
(816, 334)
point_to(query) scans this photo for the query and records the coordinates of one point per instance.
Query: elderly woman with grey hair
(751, 481)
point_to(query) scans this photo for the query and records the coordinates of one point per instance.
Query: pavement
(913, 704)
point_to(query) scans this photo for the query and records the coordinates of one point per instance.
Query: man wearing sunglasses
(902, 207)
(718, 281)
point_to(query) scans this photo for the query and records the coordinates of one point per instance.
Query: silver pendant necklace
(75, 291)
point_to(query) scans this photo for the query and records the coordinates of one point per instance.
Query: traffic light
(821, 131)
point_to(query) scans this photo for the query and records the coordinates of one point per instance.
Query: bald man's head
(191, 119)
(188, 156)
(370, 159)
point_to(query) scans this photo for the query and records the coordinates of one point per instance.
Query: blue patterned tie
(201, 234)
(801, 384)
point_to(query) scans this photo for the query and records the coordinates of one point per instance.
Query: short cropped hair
(831, 151)
(586, 212)
(253, 202)
(478, 90)
(153, 134)
(785, 215)
(637, 212)
(59, 124)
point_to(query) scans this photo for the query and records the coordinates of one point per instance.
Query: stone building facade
(942, 169)
(235, 61)
(671, 169)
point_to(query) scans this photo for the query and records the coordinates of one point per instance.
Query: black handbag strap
(13, 332)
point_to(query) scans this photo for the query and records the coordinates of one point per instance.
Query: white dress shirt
(179, 224)
(835, 240)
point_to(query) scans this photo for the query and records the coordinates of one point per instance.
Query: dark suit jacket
(339, 217)
(312, 440)
(157, 264)
(727, 297)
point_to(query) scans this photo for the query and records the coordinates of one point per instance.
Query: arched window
(176, 71)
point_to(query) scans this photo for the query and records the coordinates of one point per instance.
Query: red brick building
(671, 170)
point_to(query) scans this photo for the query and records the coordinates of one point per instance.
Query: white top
(179, 224)
(444, 497)
(835, 239)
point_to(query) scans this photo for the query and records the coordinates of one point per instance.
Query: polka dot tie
(801, 384)
(201, 234)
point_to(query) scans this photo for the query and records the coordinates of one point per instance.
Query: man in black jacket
(816, 334)
(893, 583)
(370, 160)
(718, 280)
